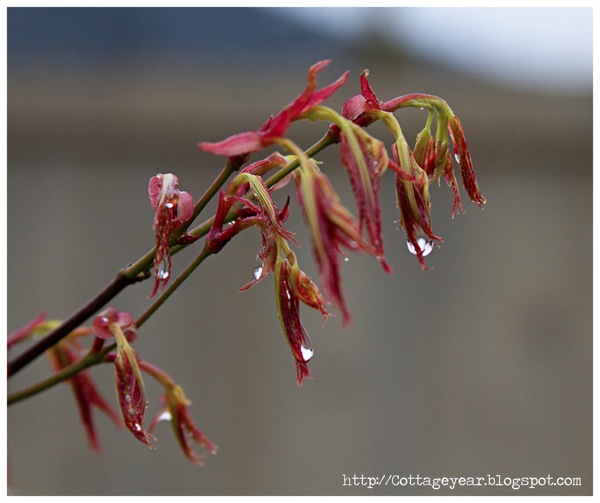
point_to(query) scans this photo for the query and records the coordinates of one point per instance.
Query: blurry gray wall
(480, 366)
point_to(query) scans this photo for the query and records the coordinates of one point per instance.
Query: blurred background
(482, 365)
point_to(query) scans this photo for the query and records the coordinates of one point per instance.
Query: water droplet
(162, 272)
(457, 157)
(137, 427)
(425, 244)
(258, 268)
(169, 205)
(165, 416)
(307, 350)
(346, 259)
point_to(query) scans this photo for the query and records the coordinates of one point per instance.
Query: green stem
(417, 100)
(87, 361)
(132, 274)
(94, 358)
(209, 194)
(71, 323)
(173, 286)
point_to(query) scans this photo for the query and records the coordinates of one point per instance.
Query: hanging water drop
(258, 266)
(306, 349)
(165, 416)
(425, 244)
(162, 272)
(307, 353)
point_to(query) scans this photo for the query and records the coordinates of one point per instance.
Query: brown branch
(77, 318)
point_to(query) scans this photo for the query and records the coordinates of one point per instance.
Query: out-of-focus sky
(542, 47)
